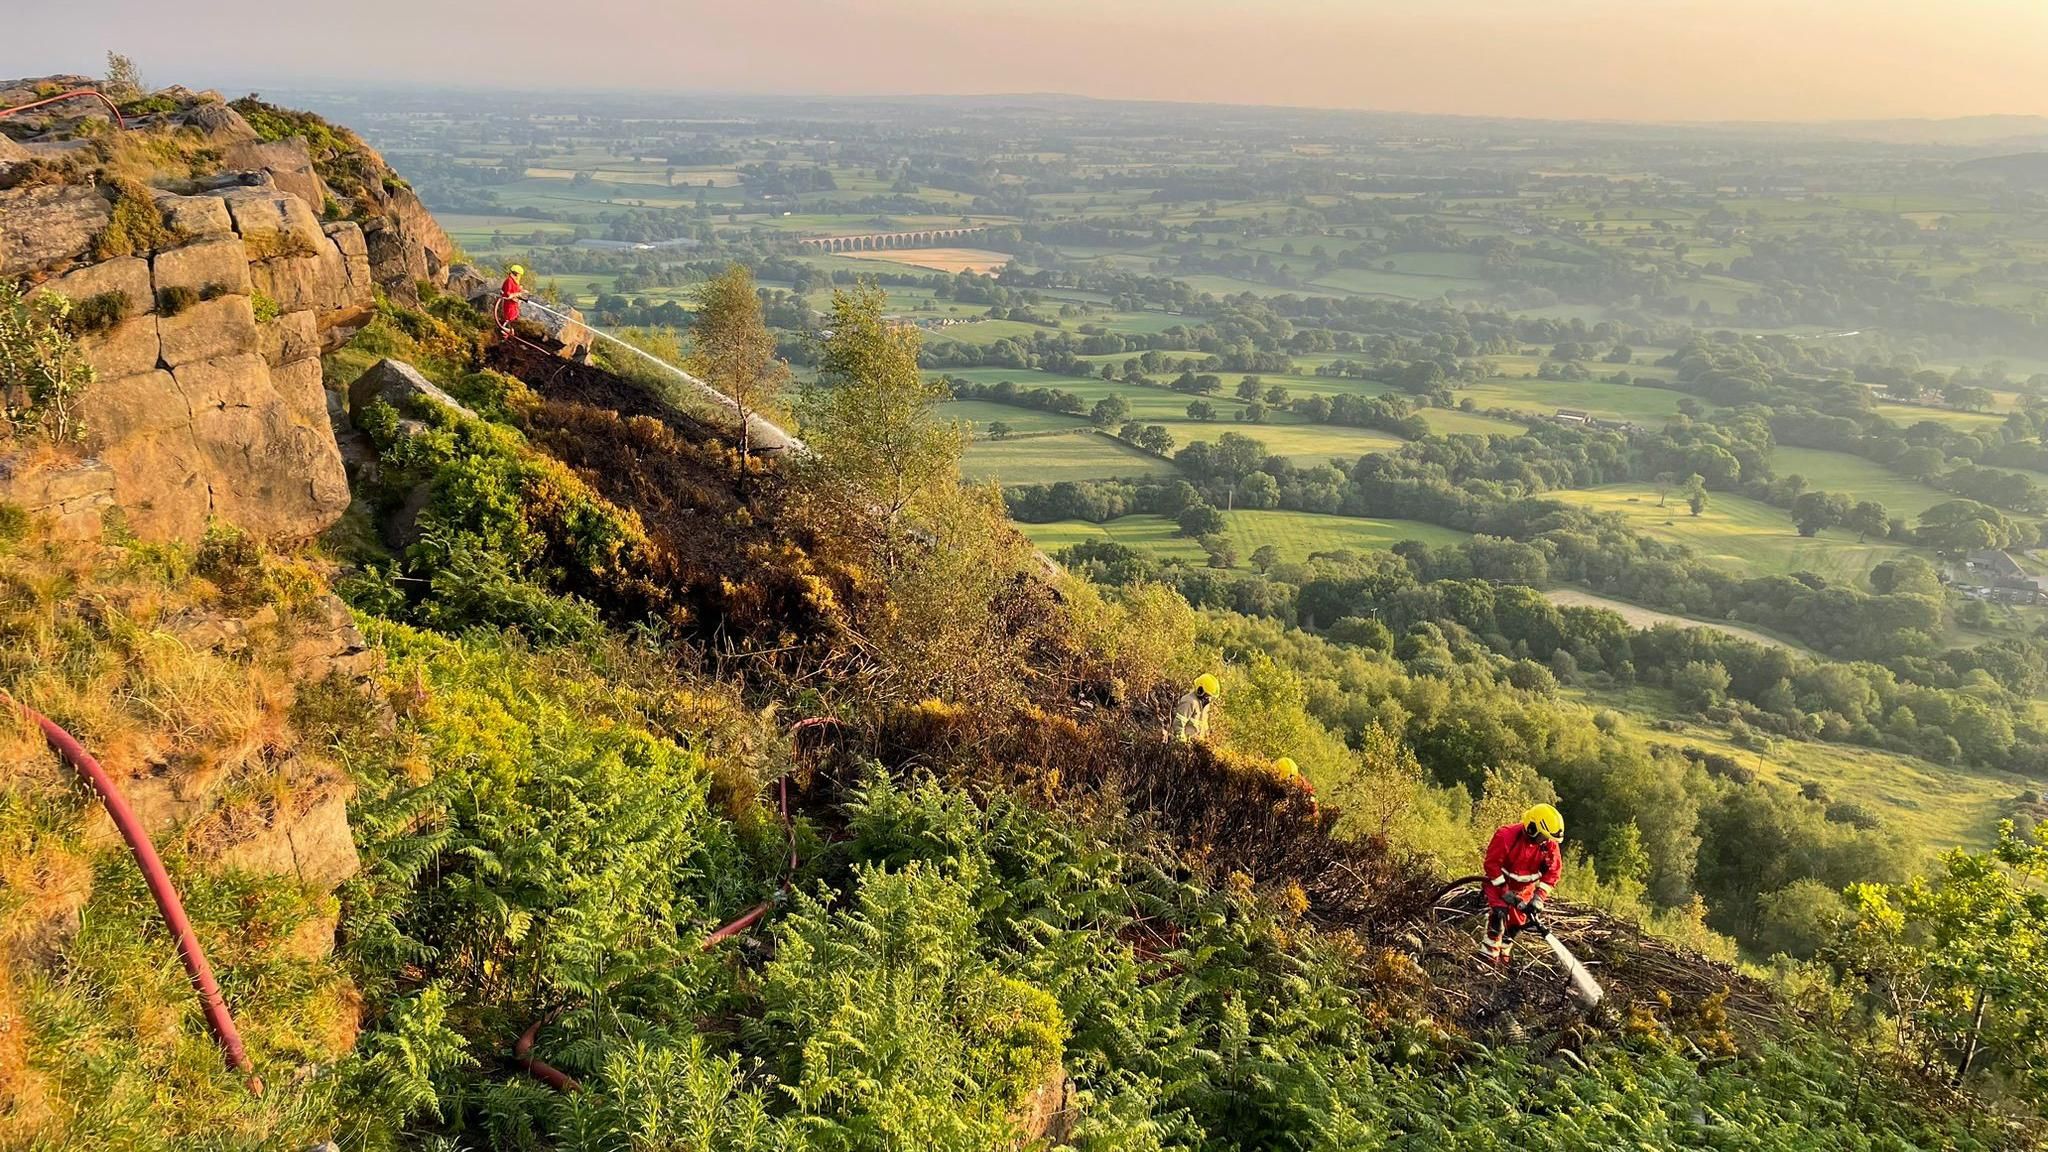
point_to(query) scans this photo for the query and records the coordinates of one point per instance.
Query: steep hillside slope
(644, 796)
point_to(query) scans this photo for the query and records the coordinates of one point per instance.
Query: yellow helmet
(518, 269)
(1544, 819)
(1207, 683)
(1287, 768)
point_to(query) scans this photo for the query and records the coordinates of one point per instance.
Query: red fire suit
(1520, 869)
(508, 302)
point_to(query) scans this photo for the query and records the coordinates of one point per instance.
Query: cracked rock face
(200, 409)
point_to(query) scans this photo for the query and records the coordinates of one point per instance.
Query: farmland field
(1908, 415)
(1295, 534)
(1634, 402)
(1738, 533)
(1936, 805)
(1858, 478)
(1049, 459)
(940, 259)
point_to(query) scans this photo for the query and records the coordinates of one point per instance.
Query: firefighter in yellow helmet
(1290, 773)
(508, 297)
(1522, 865)
(1191, 713)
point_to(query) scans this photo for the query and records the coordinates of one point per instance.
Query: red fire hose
(561, 1081)
(160, 887)
(94, 92)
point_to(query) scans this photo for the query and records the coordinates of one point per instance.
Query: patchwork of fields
(1237, 267)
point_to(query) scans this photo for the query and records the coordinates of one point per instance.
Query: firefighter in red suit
(508, 298)
(1522, 864)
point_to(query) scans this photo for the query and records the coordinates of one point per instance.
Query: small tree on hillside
(733, 350)
(43, 374)
(1960, 958)
(871, 417)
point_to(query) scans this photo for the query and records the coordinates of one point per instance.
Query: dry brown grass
(24, 1092)
(174, 668)
(178, 691)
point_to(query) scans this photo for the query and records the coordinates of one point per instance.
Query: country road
(1641, 617)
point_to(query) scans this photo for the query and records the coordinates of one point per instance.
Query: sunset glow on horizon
(1582, 59)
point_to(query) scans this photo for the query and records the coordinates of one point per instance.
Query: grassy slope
(1930, 804)
(1857, 477)
(1738, 533)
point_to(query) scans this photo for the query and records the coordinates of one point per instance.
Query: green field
(982, 413)
(1908, 415)
(1050, 459)
(1295, 534)
(1927, 803)
(1858, 478)
(1451, 422)
(1737, 533)
(1638, 403)
(1283, 434)
(1305, 444)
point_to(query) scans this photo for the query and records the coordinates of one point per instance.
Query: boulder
(292, 336)
(419, 227)
(289, 164)
(128, 275)
(136, 405)
(208, 330)
(74, 496)
(400, 385)
(199, 217)
(465, 281)
(48, 225)
(159, 484)
(563, 324)
(332, 283)
(395, 263)
(10, 152)
(327, 643)
(237, 380)
(219, 263)
(222, 124)
(1046, 1115)
(274, 223)
(130, 346)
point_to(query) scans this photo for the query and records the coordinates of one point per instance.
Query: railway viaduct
(875, 240)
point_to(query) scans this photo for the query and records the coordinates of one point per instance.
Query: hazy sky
(1614, 59)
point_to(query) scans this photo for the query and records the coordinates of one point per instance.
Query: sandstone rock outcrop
(201, 408)
(289, 164)
(48, 224)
